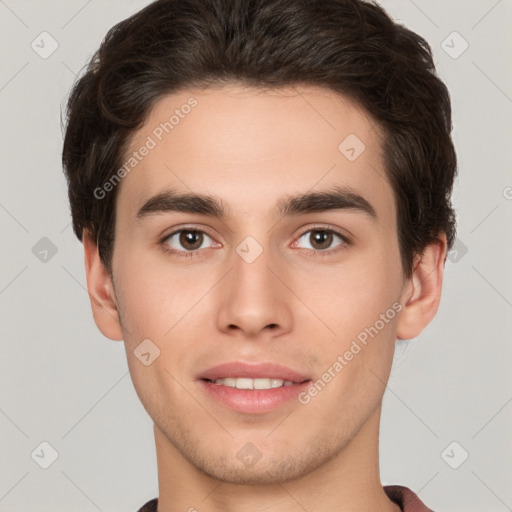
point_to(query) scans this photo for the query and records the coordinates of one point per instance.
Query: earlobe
(422, 291)
(101, 291)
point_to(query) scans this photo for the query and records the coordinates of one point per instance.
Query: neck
(347, 482)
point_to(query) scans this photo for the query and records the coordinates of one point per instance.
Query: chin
(268, 474)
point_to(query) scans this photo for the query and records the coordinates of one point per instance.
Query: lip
(238, 369)
(252, 401)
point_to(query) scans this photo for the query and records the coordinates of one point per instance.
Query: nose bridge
(251, 263)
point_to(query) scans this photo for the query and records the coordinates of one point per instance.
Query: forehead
(251, 146)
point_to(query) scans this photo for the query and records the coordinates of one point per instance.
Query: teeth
(244, 383)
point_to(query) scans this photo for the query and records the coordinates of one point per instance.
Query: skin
(293, 305)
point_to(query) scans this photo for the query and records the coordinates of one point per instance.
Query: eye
(321, 240)
(187, 241)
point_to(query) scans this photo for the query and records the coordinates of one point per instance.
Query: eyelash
(310, 252)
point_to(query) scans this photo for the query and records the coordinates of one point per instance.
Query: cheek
(353, 297)
(360, 306)
(152, 305)
(161, 302)
(361, 309)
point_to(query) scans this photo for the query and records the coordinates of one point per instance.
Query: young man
(263, 189)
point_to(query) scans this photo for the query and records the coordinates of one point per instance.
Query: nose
(254, 298)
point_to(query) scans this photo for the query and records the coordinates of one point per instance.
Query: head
(254, 110)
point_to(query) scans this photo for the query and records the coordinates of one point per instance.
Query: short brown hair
(349, 46)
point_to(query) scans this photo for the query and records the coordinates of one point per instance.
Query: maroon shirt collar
(407, 500)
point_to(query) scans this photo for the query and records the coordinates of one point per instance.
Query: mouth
(252, 389)
(259, 383)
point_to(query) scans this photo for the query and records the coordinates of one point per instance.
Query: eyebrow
(336, 198)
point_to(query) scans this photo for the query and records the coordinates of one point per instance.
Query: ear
(422, 291)
(101, 291)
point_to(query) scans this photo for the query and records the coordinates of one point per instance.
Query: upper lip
(238, 369)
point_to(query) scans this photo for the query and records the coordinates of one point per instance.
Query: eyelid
(187, 227)
(327, 227)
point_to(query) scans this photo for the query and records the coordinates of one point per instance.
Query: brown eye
(187, 240)
(322, 240)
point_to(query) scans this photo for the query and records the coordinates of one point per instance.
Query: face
(293, 282)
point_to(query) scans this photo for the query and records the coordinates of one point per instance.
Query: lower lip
(253, 401)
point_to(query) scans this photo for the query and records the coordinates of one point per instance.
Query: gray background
(62, 383)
